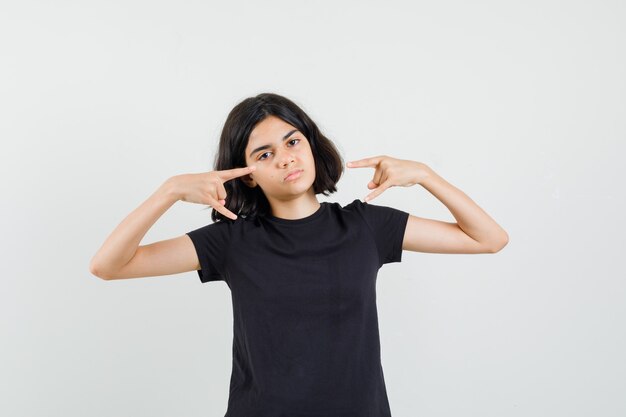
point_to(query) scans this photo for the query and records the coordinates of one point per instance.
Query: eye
(261, 156)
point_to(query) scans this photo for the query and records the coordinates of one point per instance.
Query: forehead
(269, 130)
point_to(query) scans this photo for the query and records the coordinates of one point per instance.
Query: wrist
(425, 174)
(169, 190)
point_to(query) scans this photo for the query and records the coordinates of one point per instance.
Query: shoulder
(353, 209)
(356, 206)
(359, 211)
(220, 228)
(369, 209)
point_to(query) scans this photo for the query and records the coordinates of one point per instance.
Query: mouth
(293, 175)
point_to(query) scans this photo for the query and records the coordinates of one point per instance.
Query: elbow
(502, 243)
(96, 271)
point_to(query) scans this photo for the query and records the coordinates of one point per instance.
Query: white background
(519, 104)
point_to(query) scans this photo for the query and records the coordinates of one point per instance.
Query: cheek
(263, 176)
(305, 153)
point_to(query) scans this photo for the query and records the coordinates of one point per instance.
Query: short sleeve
(211, 243)
(387, 225)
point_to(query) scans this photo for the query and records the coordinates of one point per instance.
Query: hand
(391, 172)
(208, 187)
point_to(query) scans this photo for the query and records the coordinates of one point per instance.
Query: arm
(121, 256)
(123, 243)
(474, 232)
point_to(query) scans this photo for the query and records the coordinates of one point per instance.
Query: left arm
(474, 232)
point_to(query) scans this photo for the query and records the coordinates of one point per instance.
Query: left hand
(391, 172)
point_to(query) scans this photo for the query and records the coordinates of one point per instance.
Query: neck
(296, 208)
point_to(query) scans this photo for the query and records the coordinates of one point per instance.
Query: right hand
(208, 187)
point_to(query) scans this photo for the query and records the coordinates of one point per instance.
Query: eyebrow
(260, 148)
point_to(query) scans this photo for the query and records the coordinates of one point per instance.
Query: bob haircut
(251, 202)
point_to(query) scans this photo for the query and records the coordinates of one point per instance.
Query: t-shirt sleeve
(387, 225)
(211, 243)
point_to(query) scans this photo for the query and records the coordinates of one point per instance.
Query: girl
(302, 274)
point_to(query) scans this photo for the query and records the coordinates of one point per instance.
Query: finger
(367, 162)
(225, 212)
(229, 174)
(378, 177)
(221, 191)
(221, 209)
(378, 191)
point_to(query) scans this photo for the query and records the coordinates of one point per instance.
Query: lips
(295, 171)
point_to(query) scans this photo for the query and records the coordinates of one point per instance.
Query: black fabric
(305, 326)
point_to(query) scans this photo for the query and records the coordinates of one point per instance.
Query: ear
(247, 179)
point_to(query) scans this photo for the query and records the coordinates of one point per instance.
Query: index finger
(367, 162)
(229, 174)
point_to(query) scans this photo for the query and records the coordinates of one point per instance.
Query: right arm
(121, 256)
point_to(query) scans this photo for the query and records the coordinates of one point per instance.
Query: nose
(286, 158)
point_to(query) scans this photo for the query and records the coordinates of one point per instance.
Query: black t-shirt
(305, 325)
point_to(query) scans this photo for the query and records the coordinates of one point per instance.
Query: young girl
(302, 274)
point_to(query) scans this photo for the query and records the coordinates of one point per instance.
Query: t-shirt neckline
(307, 219)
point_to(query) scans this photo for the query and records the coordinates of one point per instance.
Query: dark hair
(251, 202)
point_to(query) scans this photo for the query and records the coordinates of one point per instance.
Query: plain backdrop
(520, 105)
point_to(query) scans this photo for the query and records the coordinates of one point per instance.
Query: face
(283, 150)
